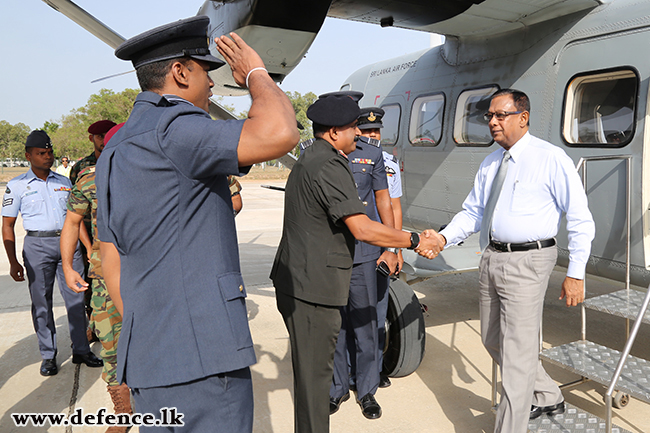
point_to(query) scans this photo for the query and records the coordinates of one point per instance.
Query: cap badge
(372, 117)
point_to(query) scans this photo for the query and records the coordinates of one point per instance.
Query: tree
(300, 105)
(50, 127)
(12, 139)
(71, 137)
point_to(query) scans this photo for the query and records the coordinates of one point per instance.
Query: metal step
(598, 363)
(573, 420)
(623, 303)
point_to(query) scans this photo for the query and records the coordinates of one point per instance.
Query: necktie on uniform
(488, 212)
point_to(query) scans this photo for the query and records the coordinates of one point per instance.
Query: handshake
(431, 243)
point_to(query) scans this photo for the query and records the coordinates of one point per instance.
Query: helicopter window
(599, 109)
(470, 126)
(426, 120)
(390, 131)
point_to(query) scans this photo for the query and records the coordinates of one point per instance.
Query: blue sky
(49, 61)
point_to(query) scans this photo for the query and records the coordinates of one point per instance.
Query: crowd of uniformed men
(162, 247)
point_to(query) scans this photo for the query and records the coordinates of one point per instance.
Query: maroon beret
(101, 127)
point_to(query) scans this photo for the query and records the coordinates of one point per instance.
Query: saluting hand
(239, 55)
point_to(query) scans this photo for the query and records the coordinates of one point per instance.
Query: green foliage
(70, 138)
(70, 134)
(12, 139)
(50, 127)
(300, 105)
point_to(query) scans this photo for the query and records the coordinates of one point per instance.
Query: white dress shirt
(541, 184)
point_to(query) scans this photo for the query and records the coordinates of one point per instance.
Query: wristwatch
(415, 241)
(393, 250)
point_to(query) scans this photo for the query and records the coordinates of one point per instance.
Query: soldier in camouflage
(97, 132)
(235, 196)
(106, 320)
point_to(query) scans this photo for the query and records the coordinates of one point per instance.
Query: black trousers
(313, 330)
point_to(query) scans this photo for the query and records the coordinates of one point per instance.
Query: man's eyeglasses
(500, 116)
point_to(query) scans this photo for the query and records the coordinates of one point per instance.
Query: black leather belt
(508, 247)
(44, 234)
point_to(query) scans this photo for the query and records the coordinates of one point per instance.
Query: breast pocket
(528, 198)
(63, 200)
(362, 178)
(33, 205)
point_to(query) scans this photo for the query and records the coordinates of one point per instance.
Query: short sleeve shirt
(164, 202)
(42, 203)
(87, 161)
(315, 255)
(83, 201)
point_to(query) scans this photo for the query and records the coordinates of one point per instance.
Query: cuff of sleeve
(243, 171)
(576, 270)
(446, 235)
(345, 208)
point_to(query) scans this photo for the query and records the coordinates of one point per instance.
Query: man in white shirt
(539, 184)
(65, 167)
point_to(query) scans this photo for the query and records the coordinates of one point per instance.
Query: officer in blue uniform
(40, 196)
(359, 334)
(166, 225)
(370, 125)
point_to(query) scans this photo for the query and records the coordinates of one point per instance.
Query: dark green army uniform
(87, 161)
(105, 319)
(311, 273)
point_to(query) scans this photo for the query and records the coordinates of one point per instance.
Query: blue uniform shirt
(367, 166)
(164, 202)
(42, 204)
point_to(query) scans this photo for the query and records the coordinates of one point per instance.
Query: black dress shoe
(556, 409)
(384, 381)
(335, 403)
(369, 406)
(89, 359)
(48, 367)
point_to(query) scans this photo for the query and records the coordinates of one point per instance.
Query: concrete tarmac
(450, 391)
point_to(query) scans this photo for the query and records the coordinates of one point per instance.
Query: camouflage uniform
(234, 185)
(105, 318)
(88, 161)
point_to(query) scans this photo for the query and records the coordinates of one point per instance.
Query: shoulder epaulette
(370, 141)
(305, 144)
